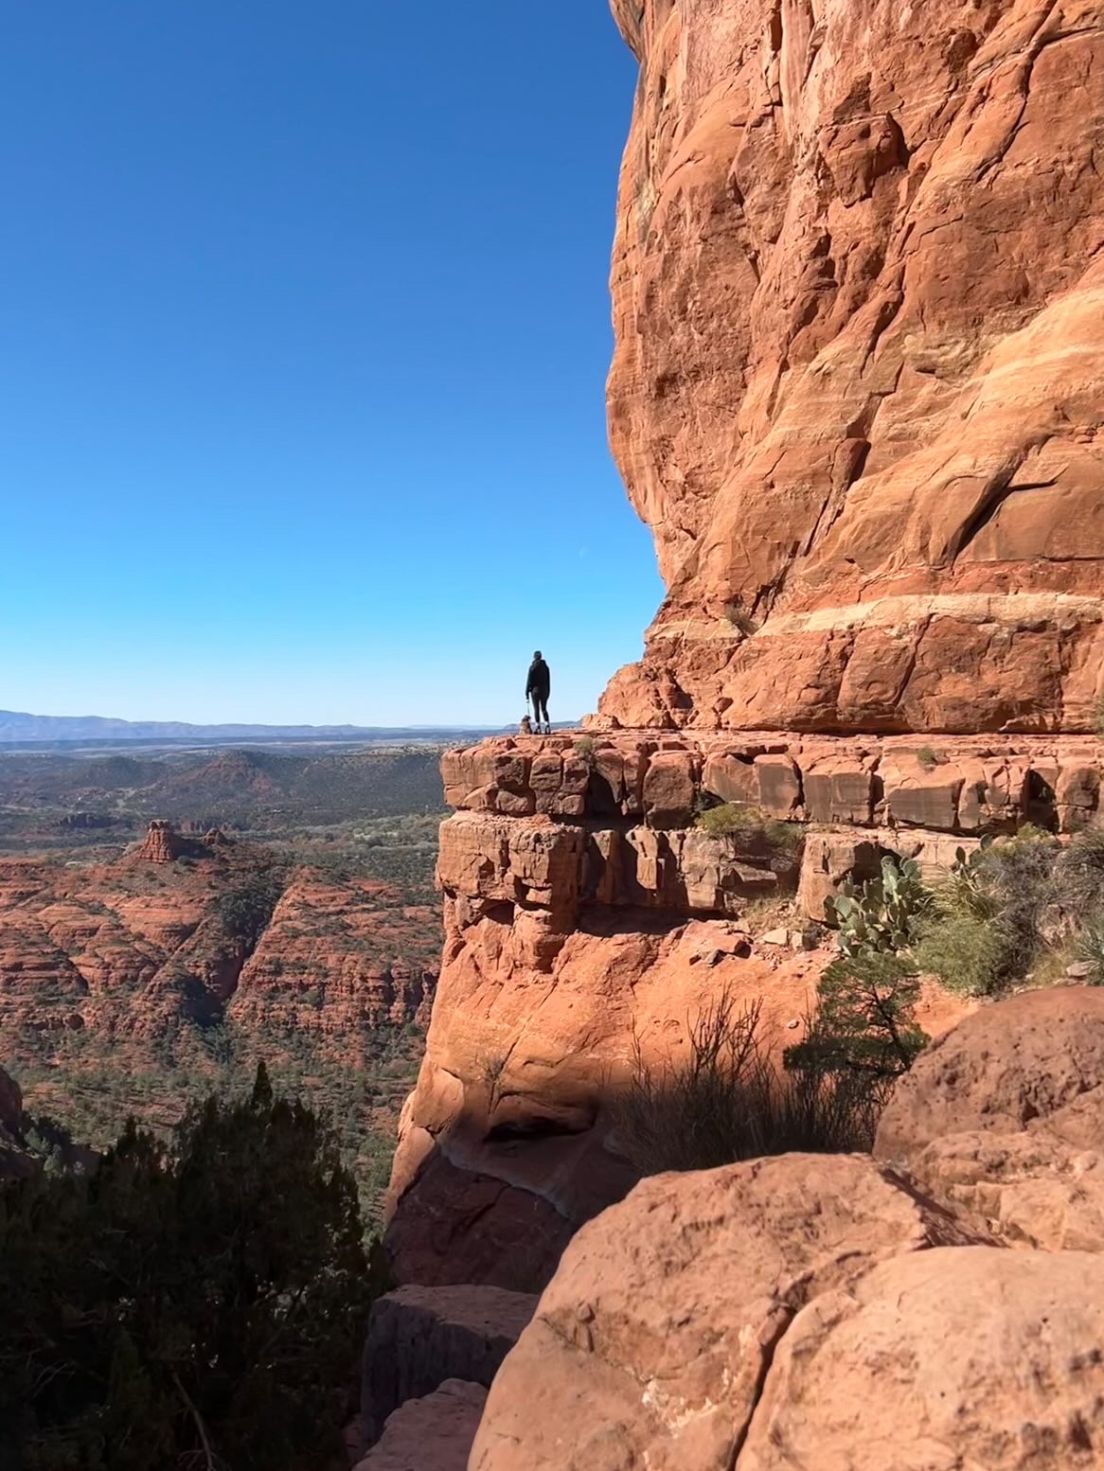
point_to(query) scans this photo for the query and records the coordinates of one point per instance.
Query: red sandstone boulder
(970, 1357)
(1026, 1189)
(1003, 1120)
(650, 1345)
(1033, 1061)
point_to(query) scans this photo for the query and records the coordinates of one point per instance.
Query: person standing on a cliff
(537, 688)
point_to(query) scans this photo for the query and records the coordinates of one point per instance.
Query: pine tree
(864, 1024)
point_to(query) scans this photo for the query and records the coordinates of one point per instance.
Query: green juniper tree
(198, 1304)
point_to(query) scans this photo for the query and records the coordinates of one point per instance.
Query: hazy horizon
(303, 405)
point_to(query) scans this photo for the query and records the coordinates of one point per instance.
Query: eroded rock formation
(133, 946)
(858, 298)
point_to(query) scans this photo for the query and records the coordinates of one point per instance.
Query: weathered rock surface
(430, 1434)
(419, 1337)
(133, 946)
(1003, 1120)
(955, 1357)
(857, 386)
(651, 1343)
(1035, 1061)
(504, 1147)
(1025, 1189)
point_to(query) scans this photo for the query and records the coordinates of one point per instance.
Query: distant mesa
(162, 844)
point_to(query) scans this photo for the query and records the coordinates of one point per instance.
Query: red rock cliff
(858, 294)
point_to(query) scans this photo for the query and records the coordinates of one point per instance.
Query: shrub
(741, 620)
(969, 954)
(1079, 875)
(749, 825)
(883, 913)
(1089, 949)
(584, 749)
(726, 1102)
(928, 758)
(864, 1027)
(991, 917)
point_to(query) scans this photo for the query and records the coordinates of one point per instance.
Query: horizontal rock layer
(962, 784)
(857, 388)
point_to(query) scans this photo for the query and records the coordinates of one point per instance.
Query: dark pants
(540, 706)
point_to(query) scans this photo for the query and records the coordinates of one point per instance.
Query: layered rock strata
(858, 300)
(132, 947)
(589, 922)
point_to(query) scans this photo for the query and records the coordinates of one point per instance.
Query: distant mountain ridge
(19, 728)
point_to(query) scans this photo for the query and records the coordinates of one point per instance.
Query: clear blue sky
(305, 330)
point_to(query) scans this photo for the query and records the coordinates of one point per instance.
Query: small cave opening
(532, 1127)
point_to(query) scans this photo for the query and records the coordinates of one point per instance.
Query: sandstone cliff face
(858, 297)
(587, 917)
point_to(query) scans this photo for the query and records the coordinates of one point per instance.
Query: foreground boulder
(650, 1345)
(1024, 1189)
(419, 1337)
(957, 1358)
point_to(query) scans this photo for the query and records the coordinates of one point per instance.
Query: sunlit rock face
(858, 294)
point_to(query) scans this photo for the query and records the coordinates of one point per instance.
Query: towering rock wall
(858, 295)
(858, 387)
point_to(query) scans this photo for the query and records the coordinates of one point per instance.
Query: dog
(526, 726)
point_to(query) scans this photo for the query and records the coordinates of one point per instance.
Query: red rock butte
(858, 299)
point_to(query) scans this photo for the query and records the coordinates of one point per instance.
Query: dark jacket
(539, 681)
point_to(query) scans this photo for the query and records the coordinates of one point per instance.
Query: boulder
(1026, 1189)
(419, 1337)
(1035, 1059)
(964, 1357)
(430, 1434)
(650, 1345)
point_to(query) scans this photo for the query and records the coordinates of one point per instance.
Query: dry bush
(726, 1102)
